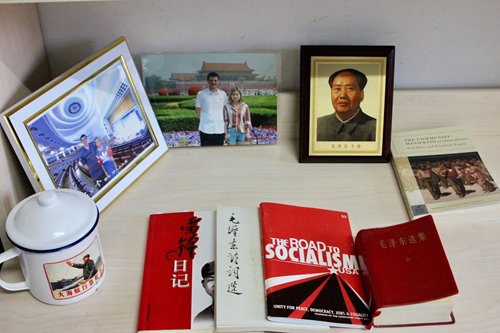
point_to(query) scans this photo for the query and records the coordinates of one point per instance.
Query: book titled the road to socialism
(314, 275)
(179, 272)
(311, 272)
(440, 170)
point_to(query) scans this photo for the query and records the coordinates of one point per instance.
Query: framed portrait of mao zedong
(346, 103)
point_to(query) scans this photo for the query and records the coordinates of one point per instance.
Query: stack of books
(283, 268)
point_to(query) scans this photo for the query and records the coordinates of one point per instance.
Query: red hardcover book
(178, 279)
(311, 271)
(407, 274)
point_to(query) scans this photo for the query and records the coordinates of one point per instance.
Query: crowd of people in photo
(459, 174)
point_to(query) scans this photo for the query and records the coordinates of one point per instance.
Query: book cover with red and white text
(179, 273)
(310, 268)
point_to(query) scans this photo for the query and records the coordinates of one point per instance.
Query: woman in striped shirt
(237, 119)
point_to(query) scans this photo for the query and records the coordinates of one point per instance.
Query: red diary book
(178, 280)
(311, 272)
(407, 274)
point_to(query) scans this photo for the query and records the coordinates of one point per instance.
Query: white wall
(439, 43)
(445, 43)
(23, 69)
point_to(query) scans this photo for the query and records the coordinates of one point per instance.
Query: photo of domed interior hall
(92, 136)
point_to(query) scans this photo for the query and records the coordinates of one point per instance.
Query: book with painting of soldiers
(440, 170)
(179, 273)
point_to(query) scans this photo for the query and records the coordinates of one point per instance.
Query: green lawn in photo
(177, 113)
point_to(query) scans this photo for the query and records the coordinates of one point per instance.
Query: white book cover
(240, 303)
(440, 170)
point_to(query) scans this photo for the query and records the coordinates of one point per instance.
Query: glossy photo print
(346, 103)
(214, 99)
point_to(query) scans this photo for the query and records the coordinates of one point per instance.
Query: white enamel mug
(55, 237)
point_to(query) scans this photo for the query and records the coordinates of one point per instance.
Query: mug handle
(7, 255)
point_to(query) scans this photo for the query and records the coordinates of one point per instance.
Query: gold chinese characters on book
(440, 170)
(291, 278)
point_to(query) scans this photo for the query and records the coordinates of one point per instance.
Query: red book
(311, 271)
(407, 274)
(178, 279)
(315, 274)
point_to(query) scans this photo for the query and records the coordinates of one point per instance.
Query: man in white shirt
(209, 109)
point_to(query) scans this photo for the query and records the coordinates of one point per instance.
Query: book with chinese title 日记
(179, 273)
(315, 274)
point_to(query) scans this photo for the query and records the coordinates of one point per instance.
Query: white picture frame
(101, 97)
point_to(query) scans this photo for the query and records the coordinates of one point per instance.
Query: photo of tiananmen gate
(172, 82)
(230, 74)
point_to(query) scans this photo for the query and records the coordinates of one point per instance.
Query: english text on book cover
(311, 271)
(440, 169)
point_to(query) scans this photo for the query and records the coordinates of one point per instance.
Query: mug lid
(51, 220)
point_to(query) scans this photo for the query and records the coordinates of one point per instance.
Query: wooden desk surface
(199, 179)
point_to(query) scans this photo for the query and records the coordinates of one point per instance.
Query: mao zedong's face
(346, 95)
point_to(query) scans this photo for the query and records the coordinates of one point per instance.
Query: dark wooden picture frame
(351, 82)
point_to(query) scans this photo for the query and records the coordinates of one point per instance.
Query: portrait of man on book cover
(208, 283)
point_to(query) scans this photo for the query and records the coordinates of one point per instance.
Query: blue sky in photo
(163, 65)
